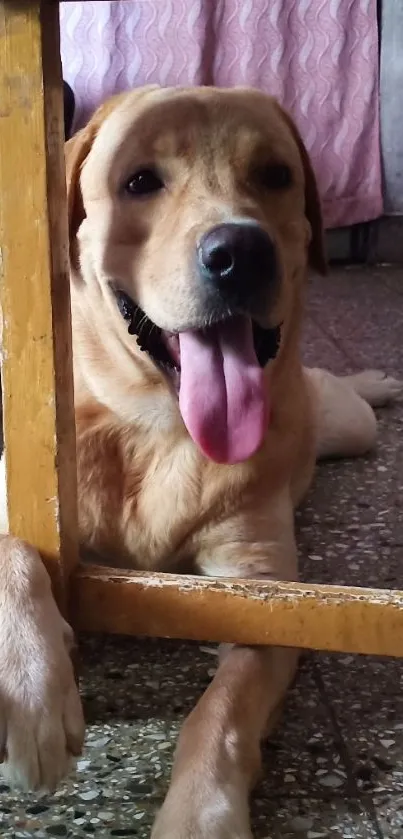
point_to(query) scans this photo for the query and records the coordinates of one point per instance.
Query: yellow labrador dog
(194, 217)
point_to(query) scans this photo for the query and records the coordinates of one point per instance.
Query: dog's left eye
(125, 304)
(144, 182)
(275, 176)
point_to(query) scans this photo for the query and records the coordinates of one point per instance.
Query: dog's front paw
(41, 718)
(207, 811)
(376, 387)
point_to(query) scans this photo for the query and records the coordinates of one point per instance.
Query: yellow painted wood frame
(39, 412)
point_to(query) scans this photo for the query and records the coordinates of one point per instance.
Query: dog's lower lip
(171, 340)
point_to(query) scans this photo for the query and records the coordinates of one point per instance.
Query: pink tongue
(222, 396)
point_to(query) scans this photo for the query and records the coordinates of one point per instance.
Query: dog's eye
(275, 176)
(126, 305)
(144, 182)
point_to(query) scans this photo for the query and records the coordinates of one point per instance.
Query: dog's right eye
(143, 182)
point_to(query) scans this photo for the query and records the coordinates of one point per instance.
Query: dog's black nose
(239, 259)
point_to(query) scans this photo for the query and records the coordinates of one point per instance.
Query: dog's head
(193, 216)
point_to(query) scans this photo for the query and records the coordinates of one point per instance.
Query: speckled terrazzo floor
(335, 768)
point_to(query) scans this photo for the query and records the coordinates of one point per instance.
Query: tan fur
(147, 497)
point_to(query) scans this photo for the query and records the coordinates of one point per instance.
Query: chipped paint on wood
(258, 589)
(239, 611)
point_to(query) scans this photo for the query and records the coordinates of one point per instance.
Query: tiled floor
(335, 768)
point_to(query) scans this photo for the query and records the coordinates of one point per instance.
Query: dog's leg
(41, 719)
(218, 759)
(346, 423)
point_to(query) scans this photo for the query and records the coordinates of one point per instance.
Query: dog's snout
(238, 258)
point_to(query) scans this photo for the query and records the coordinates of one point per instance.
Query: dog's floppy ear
(76, 151)
(313, 211)
(78, 148)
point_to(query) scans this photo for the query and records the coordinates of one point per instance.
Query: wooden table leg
(37, 378)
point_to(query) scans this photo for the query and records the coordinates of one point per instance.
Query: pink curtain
(320, 57)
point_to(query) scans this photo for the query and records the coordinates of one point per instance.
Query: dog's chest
(168, 507)
(141, 504)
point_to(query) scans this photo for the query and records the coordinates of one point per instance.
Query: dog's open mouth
(217, 372)
(164, 349)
